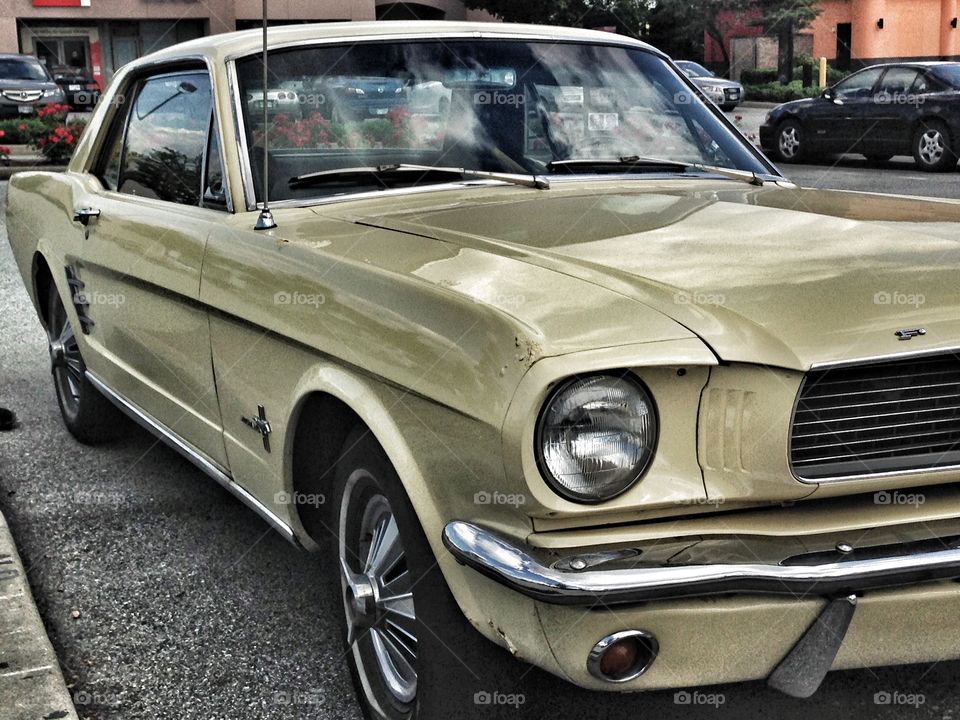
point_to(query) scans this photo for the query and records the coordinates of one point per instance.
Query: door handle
(84, 215)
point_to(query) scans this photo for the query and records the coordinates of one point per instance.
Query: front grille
(886, 417)
(22, 95)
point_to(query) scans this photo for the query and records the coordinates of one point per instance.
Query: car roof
(913, 63)
(245, 42)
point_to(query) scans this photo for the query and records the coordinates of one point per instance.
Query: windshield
(694, 69)
(11, 69)
(499, 106)
(949, 73)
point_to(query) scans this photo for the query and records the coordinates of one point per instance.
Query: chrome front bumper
(516, 568)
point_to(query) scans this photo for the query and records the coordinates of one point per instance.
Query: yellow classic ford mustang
(513, 327)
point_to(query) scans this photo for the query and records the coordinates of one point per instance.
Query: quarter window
(165, 140)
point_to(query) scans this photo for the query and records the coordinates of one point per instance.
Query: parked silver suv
(25, 86)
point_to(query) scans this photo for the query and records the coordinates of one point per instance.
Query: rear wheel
(790, 142)
(932, 148)
(88, 415)
(411, 652)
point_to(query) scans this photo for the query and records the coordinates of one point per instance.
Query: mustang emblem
(910, 333)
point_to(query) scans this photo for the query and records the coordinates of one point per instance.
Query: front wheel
(790, 142)
(932, 147)
(88, 415)
(411, 652)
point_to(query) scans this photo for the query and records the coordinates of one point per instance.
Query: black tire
(453, 662)
(88, 415)
(933, 148)
(728, 107)
(789, 142)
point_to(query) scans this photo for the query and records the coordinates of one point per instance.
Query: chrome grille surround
(896, 416)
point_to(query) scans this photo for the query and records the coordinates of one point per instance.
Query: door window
(897, 83)
(858, 86)
(161, 154)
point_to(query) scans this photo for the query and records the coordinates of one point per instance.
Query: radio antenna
(265, 221)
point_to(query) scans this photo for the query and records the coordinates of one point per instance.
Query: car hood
(719, 82)
(793, 105)
(782, 277)
(10, 84)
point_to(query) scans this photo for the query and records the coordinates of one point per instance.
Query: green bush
(759, 76)
(775, 92)
(20, 132)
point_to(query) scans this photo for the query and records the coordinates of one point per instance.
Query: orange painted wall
(911, 28)
(824, 28)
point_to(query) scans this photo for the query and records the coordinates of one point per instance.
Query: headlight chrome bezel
(538, 438)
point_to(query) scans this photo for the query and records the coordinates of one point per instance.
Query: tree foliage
(627, 16)
(678, 26)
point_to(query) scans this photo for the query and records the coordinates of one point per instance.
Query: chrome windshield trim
(240, 135)
(200, 459)
(512, 566)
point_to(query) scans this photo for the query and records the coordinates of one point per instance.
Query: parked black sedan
(79, 87)
(879, 112)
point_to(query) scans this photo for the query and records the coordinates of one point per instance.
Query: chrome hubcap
(65, 361)
(378, 597)
(789, 142)
(932, 147)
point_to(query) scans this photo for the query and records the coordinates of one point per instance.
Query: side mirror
(827, 94)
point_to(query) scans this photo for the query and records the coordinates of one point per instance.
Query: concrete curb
(31, 682)
(758, 105)
(8, 170)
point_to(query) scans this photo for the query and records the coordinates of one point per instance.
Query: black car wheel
(411, 652)
(789, 142)
(932, 148)
(727, 107)
(88, 415)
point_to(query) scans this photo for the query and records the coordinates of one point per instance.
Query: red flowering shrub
(397, 129)
(57, 139)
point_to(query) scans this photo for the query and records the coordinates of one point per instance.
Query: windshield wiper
(379, 172)
(631, 162)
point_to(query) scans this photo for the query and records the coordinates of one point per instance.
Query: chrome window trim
(246, 169)
(934, 472)
(138, 72)
(200, 459)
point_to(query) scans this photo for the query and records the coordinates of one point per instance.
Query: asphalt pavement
(164, 597)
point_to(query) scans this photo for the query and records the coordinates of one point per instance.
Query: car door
(141, 252)
(842, 124)
(894, 111)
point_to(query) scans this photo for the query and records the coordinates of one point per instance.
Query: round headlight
(596, 436)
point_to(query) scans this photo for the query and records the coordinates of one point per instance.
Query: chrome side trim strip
(511, 566)
(198, 458)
